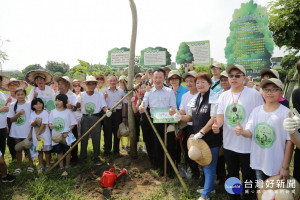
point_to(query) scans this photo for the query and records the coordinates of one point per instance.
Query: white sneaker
(201, 190)
(202, 198)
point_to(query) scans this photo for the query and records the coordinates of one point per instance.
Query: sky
(68, 30)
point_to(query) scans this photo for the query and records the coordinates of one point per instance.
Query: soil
(139, 181)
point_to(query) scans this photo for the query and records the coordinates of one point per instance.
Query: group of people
(249, 123)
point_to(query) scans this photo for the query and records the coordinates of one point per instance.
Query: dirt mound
(137, 183)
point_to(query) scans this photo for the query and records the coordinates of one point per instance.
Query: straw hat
(5, 81)
(22, 84)
(64, 78)
(199, 151)
(100, 76)
(124, 130)
(271, 71)
(59, 138)
(172, 73)
(31, 75)
(89, 79)
(277, 187)
(25, 144)
(123, 78)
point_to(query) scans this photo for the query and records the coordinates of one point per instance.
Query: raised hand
(8, 100)
(239, 129)
(172, 111)
(296, 117)
(177, 116)
(290, 125)
(69, 105)
(105, 95)
(215, 127)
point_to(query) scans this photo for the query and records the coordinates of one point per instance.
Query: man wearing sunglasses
(235, 106)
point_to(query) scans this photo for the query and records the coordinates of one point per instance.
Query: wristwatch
(202, 132)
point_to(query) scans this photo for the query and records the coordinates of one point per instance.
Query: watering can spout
(123, 172)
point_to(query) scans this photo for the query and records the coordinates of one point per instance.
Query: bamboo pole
(165, 157)
(164, 147)
(88, 131)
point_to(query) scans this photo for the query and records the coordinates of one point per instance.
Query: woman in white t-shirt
(19, 113)
(41, 79)
(40, 131)
(77, 89)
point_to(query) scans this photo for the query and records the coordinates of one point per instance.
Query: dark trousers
(86, 123)
(74, 152)
(11, 142)
(192, 164)
(111, 126)
(148, 138)
(296, 172)
(3, 133)
(221, 172)
(137, 119)
(236, 161)
(158, 150)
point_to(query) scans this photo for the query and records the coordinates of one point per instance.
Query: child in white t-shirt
(61, 121)
(271, 147)
(40, 132)
(19, 113)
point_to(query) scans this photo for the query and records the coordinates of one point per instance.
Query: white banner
(155, 58)
(120, 58)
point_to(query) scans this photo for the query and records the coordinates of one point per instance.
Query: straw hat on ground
(5, 81)
(199, 151)
(25, 144)
(64, 78)
(31, 75)
(22, 84)
(278, 188)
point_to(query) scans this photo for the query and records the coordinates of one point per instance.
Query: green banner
(161, 115)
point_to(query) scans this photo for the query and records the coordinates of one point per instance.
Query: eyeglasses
(235, 75)
(76, 85)
(273, 90)
(100, 79)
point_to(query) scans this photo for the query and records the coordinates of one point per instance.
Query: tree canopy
(56, 68)
(184, 54)
(284, 23)
(31, 67)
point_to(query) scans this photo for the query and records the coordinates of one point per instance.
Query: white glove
(290, 125)
(297, 118)
(108, 113)
(177, 116)
(198, 136)
(79, 99)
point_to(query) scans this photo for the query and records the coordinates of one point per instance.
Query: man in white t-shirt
(236, 105)
(91, 103)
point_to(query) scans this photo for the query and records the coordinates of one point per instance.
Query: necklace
(234, 109)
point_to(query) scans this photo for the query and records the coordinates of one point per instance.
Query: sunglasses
(76, 85)
(273, 90)
(235, 75)
(100, 79)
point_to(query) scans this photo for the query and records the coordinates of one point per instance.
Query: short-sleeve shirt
(164, 98)
(246, 101)
(114, 96)
(46, 133)
(46, 95)
(71, 97)
(217, 88)
(92, 104)
(3, 115)
(21, 127)
(180, 91)
(268, 139)
(186, 105)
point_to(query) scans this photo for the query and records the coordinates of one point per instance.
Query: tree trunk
(131, 119)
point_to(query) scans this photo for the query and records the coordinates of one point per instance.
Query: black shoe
(8, 178)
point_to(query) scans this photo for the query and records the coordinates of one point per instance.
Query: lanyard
(234, 109)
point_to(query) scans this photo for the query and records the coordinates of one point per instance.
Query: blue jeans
(210, 173)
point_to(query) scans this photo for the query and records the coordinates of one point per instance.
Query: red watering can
(109, 177)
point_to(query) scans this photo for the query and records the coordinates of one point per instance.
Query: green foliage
(245, 19)
(184, 55)
(284, 22)
(55, 67)
(289, 61)
(108, 60)
(31, 67)
(168, 57)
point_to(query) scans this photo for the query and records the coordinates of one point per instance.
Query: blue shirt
(218, 86)
(180, 91)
